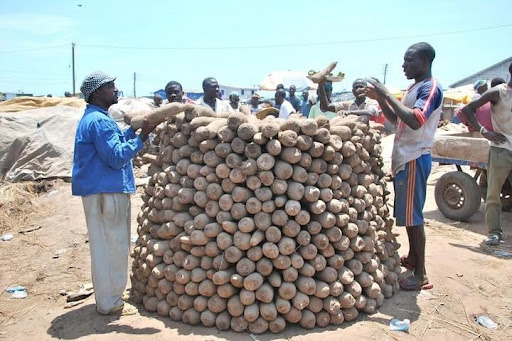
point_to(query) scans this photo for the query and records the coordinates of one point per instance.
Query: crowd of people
(103, 172)
(284, 102)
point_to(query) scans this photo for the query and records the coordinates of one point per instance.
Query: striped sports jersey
(426, 100)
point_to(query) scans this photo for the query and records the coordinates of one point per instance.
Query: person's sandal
(126, 296)
(411, 284)
(493, 239)
(123, 310)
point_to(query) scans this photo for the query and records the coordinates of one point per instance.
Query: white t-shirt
(286, 110)
(426, 100)
(370, 104)
(501, 114)
(220, 105)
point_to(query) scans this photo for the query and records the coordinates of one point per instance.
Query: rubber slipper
(123, 310)
(405, 263)
(493, 239)
(427, 286)
(407, 284)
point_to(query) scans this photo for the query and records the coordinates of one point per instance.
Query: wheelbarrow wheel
(458, 196)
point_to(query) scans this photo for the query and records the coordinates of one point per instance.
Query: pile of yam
(252, 224)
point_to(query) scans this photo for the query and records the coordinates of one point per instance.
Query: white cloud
(36, 24)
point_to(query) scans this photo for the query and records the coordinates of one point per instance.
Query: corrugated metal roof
(461, 82)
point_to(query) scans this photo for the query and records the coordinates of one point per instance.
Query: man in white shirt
(210, 99)
(286, 108)
(499, 167)
(255, 105)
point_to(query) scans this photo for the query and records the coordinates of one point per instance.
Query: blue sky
(239, 42)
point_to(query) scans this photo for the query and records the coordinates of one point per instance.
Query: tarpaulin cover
(38, 143)
(27, 103)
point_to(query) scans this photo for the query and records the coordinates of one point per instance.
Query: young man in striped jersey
(416, 118)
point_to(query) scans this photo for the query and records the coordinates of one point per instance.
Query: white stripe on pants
(108, 220)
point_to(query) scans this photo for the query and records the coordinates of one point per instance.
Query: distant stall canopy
(396, 92)
(462, 94)
(287, 78)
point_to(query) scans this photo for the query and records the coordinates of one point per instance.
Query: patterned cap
(93, 82)
(479, 83)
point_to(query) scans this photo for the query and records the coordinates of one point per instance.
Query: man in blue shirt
(294, 100)
(305, 106)
(103, 177)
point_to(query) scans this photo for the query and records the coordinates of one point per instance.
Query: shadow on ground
(503, 251)
(86, 321)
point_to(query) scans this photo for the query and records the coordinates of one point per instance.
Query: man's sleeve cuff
(420, 116)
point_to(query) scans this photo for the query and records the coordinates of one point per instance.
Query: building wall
(500, 70)
(245, 93)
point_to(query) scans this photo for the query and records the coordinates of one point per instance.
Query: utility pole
(385, 72)
(134, 80)
(73, 65)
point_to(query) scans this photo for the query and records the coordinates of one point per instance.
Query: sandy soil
(470, 279)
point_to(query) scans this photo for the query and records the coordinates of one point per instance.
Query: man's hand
(146, 129)
(370, 92)
(495, 137)
(343, 113)
(376, 89)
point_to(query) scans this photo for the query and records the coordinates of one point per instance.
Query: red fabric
(380, 118)
(483, 116)
(420, 115)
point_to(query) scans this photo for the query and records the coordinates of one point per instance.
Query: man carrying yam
(361, 105)
(416, 118)
(324, 93)
(499, 167)
(103, 177)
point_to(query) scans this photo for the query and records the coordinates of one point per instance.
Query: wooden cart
(458, 194)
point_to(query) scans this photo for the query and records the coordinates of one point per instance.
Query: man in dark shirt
(294, 100)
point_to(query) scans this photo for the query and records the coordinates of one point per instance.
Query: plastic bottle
(398, 325)
(486, 322)
(7, 237)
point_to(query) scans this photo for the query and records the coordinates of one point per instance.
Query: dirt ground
(470, 279)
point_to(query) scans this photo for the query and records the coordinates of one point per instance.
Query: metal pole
(385, 72)
(73, 64)
(134, 90)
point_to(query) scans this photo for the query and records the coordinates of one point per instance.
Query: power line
(33, 49)
(264, 46)
(296, 44)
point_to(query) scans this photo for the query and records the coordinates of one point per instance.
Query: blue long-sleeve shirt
(102, 161)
